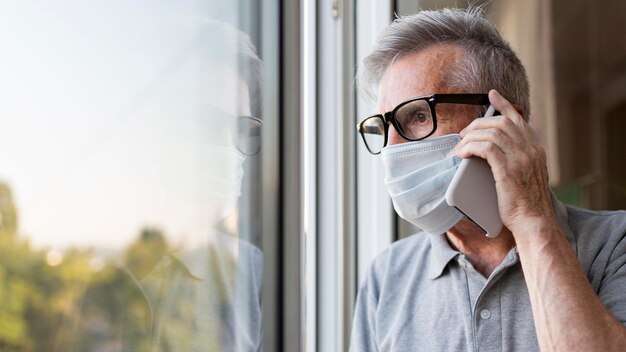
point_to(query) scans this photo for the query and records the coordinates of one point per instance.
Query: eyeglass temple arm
(479, 99)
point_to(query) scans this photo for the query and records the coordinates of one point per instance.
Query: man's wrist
(535, 228)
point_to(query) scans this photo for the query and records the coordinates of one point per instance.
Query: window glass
(130, 143)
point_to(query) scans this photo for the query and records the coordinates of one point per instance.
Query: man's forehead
(228, 91)
(420, 73)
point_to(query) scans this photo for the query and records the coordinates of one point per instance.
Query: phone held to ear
(473, 192)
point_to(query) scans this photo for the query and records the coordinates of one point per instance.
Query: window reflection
(129, 154)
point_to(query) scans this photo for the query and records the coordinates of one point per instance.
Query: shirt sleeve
(364, 330)
(364, 322)
(612, 290)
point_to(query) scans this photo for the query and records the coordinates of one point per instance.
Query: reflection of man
(206, 295)
(554, 278)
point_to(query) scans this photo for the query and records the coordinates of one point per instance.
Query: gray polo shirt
(421, 295)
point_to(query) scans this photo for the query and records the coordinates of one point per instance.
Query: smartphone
(473, 192)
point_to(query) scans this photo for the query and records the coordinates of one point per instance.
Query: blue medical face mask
(418, 175)
(204, 180)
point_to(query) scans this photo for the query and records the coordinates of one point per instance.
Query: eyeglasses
(248, 134)
(414, 119)
(219, 127)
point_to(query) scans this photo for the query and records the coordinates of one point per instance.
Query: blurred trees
(8, 214)
(115, 312)
(146, 252)
(46, 297)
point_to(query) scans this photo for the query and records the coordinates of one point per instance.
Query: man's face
(424, 73)
(228, 91)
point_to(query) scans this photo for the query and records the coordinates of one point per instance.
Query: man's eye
(418, 117)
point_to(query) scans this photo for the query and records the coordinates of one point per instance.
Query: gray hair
(489, 61)
(226, 45)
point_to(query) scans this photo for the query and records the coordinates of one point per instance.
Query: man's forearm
(568, 314)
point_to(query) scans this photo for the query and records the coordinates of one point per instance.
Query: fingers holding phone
(516, 159)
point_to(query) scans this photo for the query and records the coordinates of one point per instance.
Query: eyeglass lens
(248, 135)
(373, 132)
(415, 119)
(241, 132)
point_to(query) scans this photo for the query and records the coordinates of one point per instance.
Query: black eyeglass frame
(432, 100)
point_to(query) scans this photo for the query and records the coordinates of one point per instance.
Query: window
(141, 177)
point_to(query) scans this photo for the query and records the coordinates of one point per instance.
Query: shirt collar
(442, 253)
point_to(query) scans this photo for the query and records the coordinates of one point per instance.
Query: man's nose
(394, 136)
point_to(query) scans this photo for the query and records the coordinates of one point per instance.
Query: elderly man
(554, 278)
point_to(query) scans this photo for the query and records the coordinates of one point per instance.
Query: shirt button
(485, 314)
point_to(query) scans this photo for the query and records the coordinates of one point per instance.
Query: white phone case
(473, 192)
